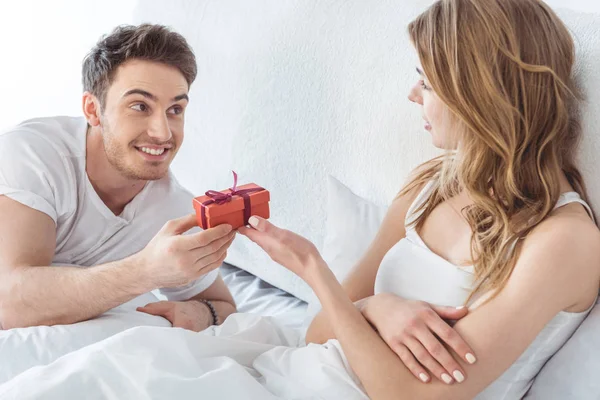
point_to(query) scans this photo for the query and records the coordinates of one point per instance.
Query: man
(82, 199)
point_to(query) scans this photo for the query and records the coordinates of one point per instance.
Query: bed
(292, 93)
(57, 362)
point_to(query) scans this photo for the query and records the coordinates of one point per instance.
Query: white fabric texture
(22, 349)
(42, 165)
(291, 91)
(34, 347)
(352, 223)
(248, 357)
(572, 373)
(254, 296)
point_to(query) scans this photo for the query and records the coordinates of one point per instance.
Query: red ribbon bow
(222, 198)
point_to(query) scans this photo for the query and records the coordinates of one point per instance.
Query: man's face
(142, 120)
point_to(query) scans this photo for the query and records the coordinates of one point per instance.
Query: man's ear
(91, 109)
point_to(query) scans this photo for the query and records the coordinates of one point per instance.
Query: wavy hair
(503, 69)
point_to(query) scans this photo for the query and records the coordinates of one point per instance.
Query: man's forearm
(223, 308)
(55, 295)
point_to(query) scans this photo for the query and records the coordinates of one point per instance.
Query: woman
(502, 213)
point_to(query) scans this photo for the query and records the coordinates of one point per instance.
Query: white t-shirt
(42, 165)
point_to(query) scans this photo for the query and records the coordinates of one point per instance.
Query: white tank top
(412, 271)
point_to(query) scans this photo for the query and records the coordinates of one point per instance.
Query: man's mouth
(152, 151)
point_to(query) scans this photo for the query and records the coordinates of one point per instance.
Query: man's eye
(175, 110)
(140, 107)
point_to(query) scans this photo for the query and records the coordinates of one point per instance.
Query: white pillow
(351, 225)
(572, 373)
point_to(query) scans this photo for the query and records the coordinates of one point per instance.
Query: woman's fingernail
(446, 378)
(470, 358)
(423, 377)
(458, 376)
(253, 221)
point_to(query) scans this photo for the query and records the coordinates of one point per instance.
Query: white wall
(592, 6)
(43, 44)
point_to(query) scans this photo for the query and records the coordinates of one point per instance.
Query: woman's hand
(284, 247)
(408, 327)
(415, 330)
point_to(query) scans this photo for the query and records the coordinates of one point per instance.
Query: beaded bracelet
(210, 306)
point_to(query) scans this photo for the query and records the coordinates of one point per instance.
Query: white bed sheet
(248, 357)
(255, 296)
(128, 354)
(26, 348)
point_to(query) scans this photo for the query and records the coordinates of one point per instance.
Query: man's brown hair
(144, 42)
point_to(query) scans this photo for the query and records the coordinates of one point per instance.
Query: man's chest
(88, 237)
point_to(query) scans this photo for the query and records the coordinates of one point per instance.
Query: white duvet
(116, 357)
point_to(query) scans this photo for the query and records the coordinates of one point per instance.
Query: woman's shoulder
(566, 247)
(570, 223)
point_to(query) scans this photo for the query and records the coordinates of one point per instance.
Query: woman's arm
(402, 325)
(320, 330)
(558, 269)
(360, 282)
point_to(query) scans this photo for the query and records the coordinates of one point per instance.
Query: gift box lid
(236, 203)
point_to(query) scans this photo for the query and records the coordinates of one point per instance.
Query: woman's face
(435, 113)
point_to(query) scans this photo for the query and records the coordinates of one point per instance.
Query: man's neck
(113, 189)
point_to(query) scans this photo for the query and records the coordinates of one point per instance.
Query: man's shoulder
(37, 167)
(60, 134)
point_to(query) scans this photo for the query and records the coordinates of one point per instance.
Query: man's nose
(160, 129)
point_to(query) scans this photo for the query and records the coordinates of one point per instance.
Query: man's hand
(190, 315)
(172, 259)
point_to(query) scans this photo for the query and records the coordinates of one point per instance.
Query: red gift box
(232, 206)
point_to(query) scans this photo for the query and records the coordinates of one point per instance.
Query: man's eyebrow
(142, 92)
(181, 97)
(152, 97)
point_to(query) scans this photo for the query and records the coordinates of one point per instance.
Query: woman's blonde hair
(503, 69)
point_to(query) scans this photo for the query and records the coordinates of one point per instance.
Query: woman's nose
(415, 95)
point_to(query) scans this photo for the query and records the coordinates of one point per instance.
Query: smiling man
(91, 216)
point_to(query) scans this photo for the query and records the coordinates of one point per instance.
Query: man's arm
(34, 293)
(220, 297)
(194, 314)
